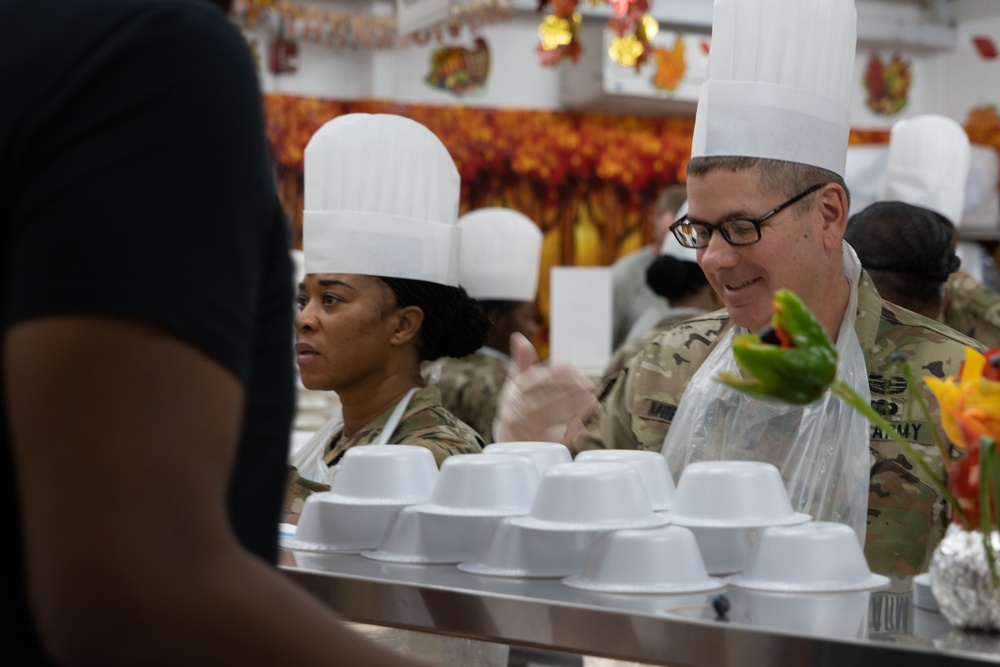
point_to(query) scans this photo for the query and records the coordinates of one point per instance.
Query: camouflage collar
(869, 313)
(424, 398)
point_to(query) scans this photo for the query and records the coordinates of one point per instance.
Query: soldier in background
(630, 296)
(500, 260)
(928, 166)
(973, 308)
(908, 252)
(677, 278)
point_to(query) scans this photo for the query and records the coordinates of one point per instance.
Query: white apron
(308, 460)
(821, 449)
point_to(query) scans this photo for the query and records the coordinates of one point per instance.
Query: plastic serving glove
(792, 361)
(537, 402)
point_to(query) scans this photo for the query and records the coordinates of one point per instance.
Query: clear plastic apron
(821, 449)
(308, 460)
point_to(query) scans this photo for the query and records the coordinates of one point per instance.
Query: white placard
(580, 317)
(414, 15)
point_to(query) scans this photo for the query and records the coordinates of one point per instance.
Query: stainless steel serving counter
(869, 627)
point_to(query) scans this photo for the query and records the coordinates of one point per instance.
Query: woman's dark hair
(899, 237)
(674, 278)
(454, 323)
(907, 250)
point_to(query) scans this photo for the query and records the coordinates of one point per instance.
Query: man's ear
(409, 320)
(834, 209)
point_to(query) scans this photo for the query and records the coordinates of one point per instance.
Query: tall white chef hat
(780, 75)
(928, 165)
(501, 255)
(381, 199)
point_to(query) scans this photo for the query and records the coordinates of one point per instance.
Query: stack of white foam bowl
(816, 557)
(652, 469)
(789, 564)
(371, 483)
(543, 454)
(721, 502)
(576, 504)
(472, 493)
(654, 560)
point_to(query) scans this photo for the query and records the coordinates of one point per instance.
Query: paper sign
(580, 317)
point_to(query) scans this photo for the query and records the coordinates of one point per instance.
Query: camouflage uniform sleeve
(639, 403)
(626, 352)
(906, 514)
(973, 309)
(469, 388)
(297, 489)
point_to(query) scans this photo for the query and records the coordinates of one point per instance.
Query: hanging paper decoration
(887, 84)
(344, 29)
(985, 47)
(557, 34)
(631, 23)
(670, 65)
(983, 125)
(634, 29)
(459, 70)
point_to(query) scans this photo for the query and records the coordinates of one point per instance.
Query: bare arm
(123, 437)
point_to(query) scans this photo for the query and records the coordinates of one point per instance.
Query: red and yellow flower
(970, 411)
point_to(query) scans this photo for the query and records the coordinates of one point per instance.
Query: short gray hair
(777, 177)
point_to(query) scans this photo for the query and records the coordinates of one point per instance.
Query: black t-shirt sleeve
(142, 188)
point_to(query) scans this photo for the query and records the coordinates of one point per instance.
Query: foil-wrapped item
(961, 581)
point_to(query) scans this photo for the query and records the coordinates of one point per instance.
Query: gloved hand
(545, 403)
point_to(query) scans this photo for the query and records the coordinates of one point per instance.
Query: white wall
(516, 79)
(949, 83)
(968, 80)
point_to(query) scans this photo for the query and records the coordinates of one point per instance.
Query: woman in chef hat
(380, 294)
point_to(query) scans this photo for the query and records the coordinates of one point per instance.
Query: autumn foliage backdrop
(588, 180)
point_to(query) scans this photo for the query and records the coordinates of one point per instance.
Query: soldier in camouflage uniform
(501, 254)
(376, 302)
(906, 516)
(767, 214)
(973, 308)
(909, 251)
(469, 387)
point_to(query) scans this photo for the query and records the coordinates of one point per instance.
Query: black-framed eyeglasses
(737, 231)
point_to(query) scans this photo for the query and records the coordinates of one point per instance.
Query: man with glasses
(767, 209)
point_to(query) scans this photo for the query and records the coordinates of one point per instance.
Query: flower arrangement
(794, 361)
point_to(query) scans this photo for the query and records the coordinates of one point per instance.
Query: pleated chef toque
(501, 255)
(381, 199)
(928, 165)
(780, 76)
